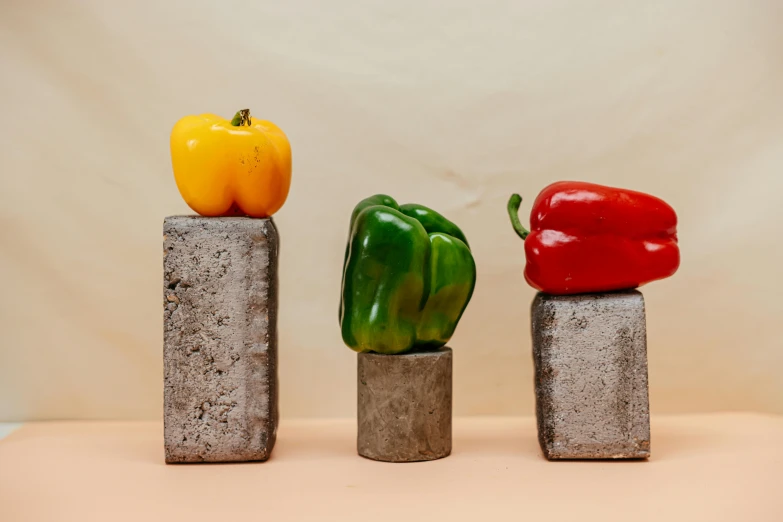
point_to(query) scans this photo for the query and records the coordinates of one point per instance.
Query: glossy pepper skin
(407, 278)
(591, 238)
(231, 167)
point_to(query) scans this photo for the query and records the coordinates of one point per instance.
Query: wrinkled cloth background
(454, 105)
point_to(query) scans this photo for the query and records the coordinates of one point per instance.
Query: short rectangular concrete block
(590, 354)
(404, 406)
(219, 338)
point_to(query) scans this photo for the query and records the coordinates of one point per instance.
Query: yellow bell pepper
(229, 168)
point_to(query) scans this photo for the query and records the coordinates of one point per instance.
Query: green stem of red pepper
(513, 213)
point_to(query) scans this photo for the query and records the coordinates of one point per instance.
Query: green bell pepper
(407, 278)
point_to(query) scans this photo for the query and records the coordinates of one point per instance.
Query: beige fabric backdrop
(450, 104)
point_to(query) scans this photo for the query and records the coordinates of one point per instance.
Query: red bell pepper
(591, 238)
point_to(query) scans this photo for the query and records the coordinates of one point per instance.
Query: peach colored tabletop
(719, 467)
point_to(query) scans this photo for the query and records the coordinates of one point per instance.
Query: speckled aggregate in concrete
(220, 338)
(590, 354)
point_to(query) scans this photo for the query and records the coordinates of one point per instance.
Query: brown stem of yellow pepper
(241, 117)
(237, 167)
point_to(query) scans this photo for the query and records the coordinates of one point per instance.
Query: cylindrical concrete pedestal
(219, 338)
(404, 408)
(590, 354)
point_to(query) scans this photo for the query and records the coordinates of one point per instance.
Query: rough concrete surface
(590, 354)
(404, 407)
(219, 338)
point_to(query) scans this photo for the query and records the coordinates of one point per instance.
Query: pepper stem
(241, 118)
(513, 213)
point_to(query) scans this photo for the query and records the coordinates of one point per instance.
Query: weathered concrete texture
(405, 406)
(590, 354)
(220, 338)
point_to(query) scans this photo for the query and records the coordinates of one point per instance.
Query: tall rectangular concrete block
(219, 338)
(590, 354)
